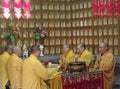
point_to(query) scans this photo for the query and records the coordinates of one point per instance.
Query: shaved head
(104, 44)
(103, 47)
(35, 50)
(17, 50)
(66, 45)
(81, 45)
(66, 48)
(8, 49)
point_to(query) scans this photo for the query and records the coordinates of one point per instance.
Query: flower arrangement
(12, 33)
(40, 34)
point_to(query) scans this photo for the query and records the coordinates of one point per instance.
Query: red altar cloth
(90, 80)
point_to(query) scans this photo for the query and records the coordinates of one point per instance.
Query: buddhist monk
(106, 63)
(14, 67)
(3, 66)
(66, 57)
(85, 55)
(34, 73)
(68, 54)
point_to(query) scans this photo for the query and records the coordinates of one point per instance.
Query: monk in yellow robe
(14, 67)
(85, 55)
(34, 73)
(106, 63)
(3, 67)
(68, 54)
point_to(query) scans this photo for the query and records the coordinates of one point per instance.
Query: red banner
(95, 6)
(17, 9)
(6, 9)
(27, 13)
(108, 8)
(101, 8)
(116, 8)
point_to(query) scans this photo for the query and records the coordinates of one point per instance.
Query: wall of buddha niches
(66, 21)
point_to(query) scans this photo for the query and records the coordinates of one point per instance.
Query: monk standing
(3, 66)
(14, 67)
(34, 73)
(106, 63)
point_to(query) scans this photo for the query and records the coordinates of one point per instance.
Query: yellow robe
(34, 74)
(68, 57)
(86, 56)
(3, 69)
(14, 67)
(56, 81)
(107, 65)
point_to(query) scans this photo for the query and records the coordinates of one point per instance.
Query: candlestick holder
(41, 50)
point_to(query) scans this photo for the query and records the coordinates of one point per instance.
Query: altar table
(89, 80)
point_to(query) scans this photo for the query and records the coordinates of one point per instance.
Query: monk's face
(65, 49)
(80, 50)
(102, 49)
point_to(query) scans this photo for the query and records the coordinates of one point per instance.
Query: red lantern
(109, 8)
(95, 6)
(116, 8)
(101, 8)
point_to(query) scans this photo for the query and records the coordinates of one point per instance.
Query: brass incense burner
(76, 67)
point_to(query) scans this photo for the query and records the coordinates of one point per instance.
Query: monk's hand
(45, 63)
(58, 68)
(76, 57)
(96, 66)
(98, 58)
(62, 57)
(64, 67)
